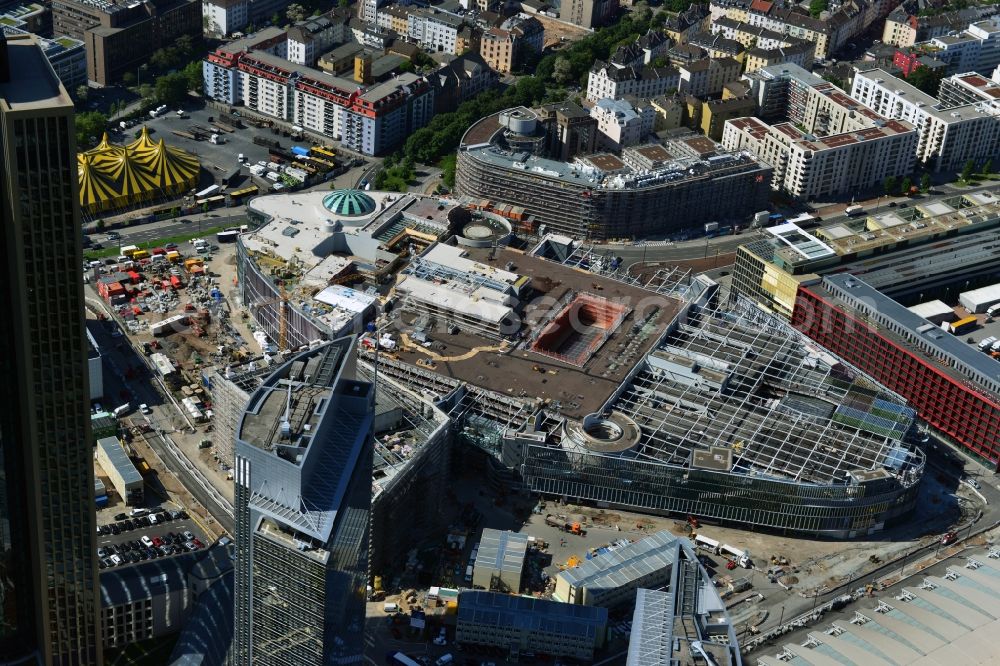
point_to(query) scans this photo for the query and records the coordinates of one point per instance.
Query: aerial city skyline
(479, 333)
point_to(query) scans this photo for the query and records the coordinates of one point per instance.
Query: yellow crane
(282, 301)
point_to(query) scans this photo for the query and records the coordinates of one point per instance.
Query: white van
(134, 513)
(390, 608)
(993, 310)
(122, 410)
(444, 659)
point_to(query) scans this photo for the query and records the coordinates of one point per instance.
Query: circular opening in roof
(349, 203)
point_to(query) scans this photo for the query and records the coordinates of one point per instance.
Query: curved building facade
(650, 190)
(739, 424)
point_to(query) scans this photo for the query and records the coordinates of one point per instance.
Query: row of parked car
(127, 523)
(147, 548)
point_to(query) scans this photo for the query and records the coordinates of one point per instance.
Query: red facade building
(950, 402)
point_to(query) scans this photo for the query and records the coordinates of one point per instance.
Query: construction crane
(282, 301)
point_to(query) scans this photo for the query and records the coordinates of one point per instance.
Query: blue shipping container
(299, 150)
(102, 501)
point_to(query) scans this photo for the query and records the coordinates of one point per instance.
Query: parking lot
(139, 538)
(216, 159)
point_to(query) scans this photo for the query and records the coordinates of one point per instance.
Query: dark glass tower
(303, 498)
(48, 572)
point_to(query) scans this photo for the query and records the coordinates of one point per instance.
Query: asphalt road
(664, 252)
(118, 355)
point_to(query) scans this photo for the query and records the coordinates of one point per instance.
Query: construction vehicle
(572, 528)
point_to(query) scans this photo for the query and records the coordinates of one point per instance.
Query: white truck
(737, 555)
(704, 543)
(985, 343)
(854, 210)
(216, 139)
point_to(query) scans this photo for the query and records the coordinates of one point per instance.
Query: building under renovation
(293, 267)
(662, 403)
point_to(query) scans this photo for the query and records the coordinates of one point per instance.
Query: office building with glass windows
(48, 573)
(303, 472)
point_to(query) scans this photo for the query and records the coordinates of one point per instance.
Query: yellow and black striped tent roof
(115, 177)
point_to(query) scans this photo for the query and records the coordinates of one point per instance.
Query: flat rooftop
(692, 157)
(948, 613)
(923, 222)
(34, 86)
(620, 567)
(528, 614)
(502, 550)
(574, 391)
(962, 361)
(119, 458)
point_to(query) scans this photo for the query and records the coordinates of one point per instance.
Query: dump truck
(572, 528)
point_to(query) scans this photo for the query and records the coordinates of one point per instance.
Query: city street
(118, 354)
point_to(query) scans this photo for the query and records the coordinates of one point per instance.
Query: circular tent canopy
(349, 203)
(115, 177)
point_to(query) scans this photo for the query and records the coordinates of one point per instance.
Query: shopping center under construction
(575, 381)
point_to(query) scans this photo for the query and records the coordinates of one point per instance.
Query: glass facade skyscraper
(303, 496)
(48, 572)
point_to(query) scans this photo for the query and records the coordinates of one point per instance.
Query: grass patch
(160, 242)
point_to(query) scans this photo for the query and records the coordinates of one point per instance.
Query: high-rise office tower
(48, 572)
(303, 497)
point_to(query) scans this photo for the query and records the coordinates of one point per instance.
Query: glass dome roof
(349, 203)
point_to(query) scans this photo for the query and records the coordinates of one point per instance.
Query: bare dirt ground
(554, 30)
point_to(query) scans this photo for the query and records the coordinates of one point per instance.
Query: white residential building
(707, 76)
(434, 31)
(368, 9)
(621, 124)
(611, 82)
(224, 17)
(809, 167)
(310, 39)
(949, 133)
(220, 74)
(975, 50)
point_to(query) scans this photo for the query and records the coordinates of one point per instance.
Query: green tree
(563, 72)
(82, 92)
(128, 78)
(926, 79)
(90, 125)
(641, 11)
(925, 183)
(193, 75)
(406, 66)
(448, 164)
(343, 3)
(987, 168)
(889, 185)
(295, 12)
(817, 7)
(184, 49)
(171, 88)
(904, 187)
(276, 19)
(968, 170)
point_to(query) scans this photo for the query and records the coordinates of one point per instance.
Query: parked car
(114, 235)
(121, 516)
(147, 541)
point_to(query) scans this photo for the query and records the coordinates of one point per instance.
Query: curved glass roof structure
(349, 203)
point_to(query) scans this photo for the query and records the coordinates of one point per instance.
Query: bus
(963, 325)
(237, 196)
(323, 152)
(212, 202)
(400, 659)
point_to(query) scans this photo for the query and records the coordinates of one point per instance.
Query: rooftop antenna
(286, 424)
